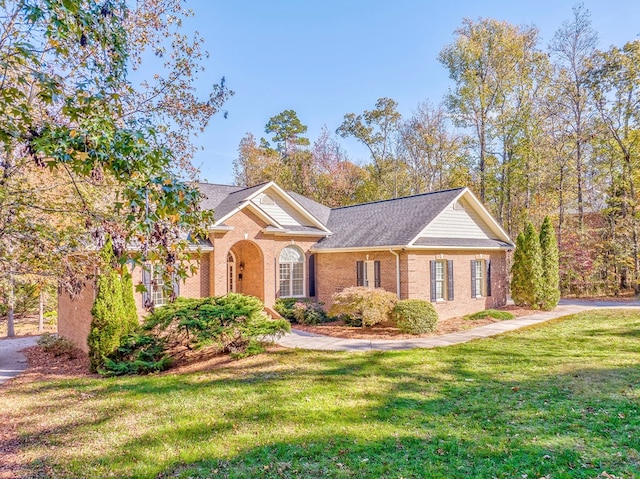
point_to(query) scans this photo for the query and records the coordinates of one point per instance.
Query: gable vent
(266, 200)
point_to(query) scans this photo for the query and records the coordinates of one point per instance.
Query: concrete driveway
(305, 340)
(12, 361)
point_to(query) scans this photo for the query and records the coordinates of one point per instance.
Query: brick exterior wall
(74, 316)
(336, 271)
(463, 303)
(259, 253)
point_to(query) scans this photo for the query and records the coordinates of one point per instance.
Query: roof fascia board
(436, 217)
(489, 219)
(301, 209)
(479, 208)
(357, 250)
(247, 204)
(466, 248)
(286, 232)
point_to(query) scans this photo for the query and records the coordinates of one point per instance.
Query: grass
(490, 313)
(561, 400)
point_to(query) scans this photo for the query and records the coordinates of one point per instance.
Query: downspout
(397, 272)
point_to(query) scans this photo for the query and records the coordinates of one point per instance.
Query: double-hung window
(291, 272)
(441, 274)
(368, 274)
(157, 293)
(480, 278)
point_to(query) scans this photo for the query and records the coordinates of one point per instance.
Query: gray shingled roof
(384, 223)
(223, 199)
(214, 194)
(320, 212)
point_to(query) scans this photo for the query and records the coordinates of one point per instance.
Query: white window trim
(290, 264)
(444, 280)
(480, 275)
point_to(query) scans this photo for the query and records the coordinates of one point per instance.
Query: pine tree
(526, 283)
(550, 266)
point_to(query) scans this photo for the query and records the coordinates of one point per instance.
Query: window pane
(284, 289)
(157, 291)
(297, 287)
(440, 275)
(439, 270)
(297, 271)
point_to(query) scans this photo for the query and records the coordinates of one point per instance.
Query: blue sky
(326, 58)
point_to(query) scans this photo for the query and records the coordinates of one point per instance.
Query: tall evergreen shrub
(550, 266)
(527, 280)
(112, 315)
(518, 274)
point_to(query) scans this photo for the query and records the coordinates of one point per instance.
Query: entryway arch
(245, 269)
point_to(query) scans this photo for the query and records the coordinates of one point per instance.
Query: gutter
(397, 272)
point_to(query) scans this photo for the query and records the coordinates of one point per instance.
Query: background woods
(535, 130)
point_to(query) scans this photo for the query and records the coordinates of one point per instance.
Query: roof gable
(465, 220)
(385, 223)
(270, 202)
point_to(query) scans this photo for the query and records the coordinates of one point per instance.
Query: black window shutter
(146, 280)
(488, 263)
(312, 275)
(376, 273)
(359, 273)
(474, 293)
(450, 280)
(432, 272)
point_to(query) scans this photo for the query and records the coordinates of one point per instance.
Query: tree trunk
(11, 333)
(41, 310)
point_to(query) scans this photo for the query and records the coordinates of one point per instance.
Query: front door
(231, 273)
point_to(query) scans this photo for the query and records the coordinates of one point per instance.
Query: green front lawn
(559, 400)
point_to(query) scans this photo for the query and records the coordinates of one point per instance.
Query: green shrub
(415, 316)
(490, 313)
(301, 310)
(550, 266)
(138, 354)
(360, 306)
(233, 323)
(57, 346)
(112, 316)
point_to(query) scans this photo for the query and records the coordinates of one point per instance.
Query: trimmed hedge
(415, 316)
(360, 306)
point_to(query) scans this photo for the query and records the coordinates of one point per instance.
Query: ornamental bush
(302, 310)
(234, 323)
(360, 306)
(415, 316)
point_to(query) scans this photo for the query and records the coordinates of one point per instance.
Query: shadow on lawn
(467, 411)
(577, 425)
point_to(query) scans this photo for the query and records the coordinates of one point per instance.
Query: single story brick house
(443, 247)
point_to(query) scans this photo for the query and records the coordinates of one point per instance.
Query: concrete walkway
(12, 361)
(305, 340)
